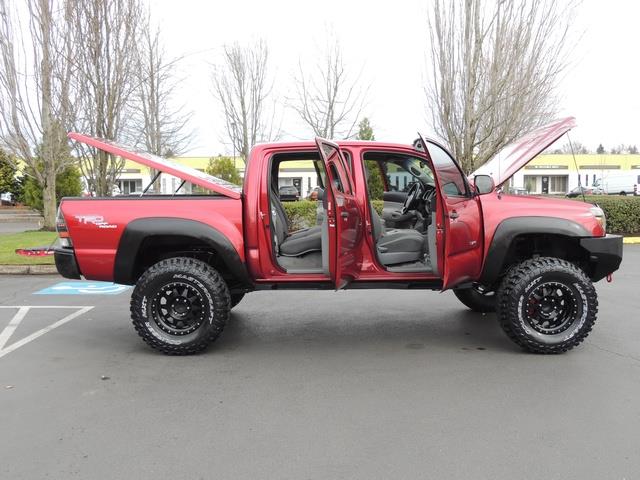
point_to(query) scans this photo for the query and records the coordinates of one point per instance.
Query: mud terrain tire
(180, 305)
(547, 305)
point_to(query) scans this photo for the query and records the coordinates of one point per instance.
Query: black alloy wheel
(547, 305)
(180, 305)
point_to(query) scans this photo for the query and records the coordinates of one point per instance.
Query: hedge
(303, 213)
(623, 213)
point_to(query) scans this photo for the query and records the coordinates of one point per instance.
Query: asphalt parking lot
(315, 385)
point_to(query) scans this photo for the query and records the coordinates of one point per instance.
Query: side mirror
(484, 184)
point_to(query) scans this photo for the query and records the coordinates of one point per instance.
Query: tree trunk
(49, 203)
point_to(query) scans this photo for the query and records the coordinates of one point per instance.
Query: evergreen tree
(223, 167)
(374, 178)
(8, 181)
(68, 184)
(600, 149)
(365, 132)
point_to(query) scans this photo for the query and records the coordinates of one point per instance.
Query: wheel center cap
(180, 307)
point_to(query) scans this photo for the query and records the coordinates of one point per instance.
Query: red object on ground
(34, 252)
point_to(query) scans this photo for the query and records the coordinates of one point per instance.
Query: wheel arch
(150, 232)
(511, 231)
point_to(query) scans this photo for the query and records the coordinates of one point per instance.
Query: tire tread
(511, 288)
(216, 286)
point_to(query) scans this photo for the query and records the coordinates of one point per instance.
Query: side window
(394, 172)
(335, 182)
(338, 170)
(452, 181)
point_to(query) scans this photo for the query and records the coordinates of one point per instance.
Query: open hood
(517, 154)
(167, 166)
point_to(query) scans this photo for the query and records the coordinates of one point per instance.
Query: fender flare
(510, 228)
(138, 230)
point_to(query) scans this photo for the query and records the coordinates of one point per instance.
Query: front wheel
(547, 305)
(477, 298)
(180, 305)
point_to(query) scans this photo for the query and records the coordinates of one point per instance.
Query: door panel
(463, 240)
(344, 218)
(462, 219)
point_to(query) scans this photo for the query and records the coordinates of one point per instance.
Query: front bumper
(66, 263)
(605, 255)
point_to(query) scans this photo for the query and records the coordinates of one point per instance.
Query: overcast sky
(387, 42)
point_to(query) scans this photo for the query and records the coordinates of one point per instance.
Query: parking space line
(39, 333)
(13, 324)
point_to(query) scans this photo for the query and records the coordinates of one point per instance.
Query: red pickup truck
(192, 257)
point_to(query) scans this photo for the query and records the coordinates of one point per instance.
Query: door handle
(344, 214)
(453, 215)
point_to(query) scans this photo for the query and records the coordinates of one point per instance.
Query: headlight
(600, 217)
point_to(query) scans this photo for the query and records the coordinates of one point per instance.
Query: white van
(619, 183)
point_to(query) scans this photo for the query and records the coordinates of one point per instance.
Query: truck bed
(96, 225)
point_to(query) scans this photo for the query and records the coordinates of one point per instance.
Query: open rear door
(343, 215)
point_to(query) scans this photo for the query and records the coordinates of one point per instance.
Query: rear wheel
(547, 305)
(180, 305)
(477, 298)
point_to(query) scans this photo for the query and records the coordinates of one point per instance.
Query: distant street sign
(83, 288)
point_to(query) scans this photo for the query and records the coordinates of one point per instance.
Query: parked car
(289, 193)
(534, 262)
(517, 191)
(579, 191)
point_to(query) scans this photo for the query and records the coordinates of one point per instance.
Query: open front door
(462, 219)
(343, 215)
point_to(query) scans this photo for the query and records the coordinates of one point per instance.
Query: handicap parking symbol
(83, 288)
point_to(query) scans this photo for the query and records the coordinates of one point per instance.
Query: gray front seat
(296, 243)
(396, 246)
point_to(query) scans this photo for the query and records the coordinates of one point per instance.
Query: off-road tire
(153, 320)
(475, 300)
(522, 315)
(236, 298)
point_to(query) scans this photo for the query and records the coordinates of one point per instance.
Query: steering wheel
(414, 193)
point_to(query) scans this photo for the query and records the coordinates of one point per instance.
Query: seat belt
(274, 223)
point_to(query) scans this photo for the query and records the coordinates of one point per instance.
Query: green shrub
(68, 184)
(622, 212)
(303, 213)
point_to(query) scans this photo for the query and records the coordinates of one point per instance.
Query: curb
(631, 240)
(20, 219)
(28, 270)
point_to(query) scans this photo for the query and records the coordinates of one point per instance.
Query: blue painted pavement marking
(83, 288)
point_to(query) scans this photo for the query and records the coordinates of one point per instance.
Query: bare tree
(107, 64)
(495, 67)
(158, 124)
(36, 104)
(329, 99)
(241, 84)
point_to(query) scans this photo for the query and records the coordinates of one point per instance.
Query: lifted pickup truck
(193, 257)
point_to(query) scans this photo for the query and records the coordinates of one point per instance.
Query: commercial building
(559, 174)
